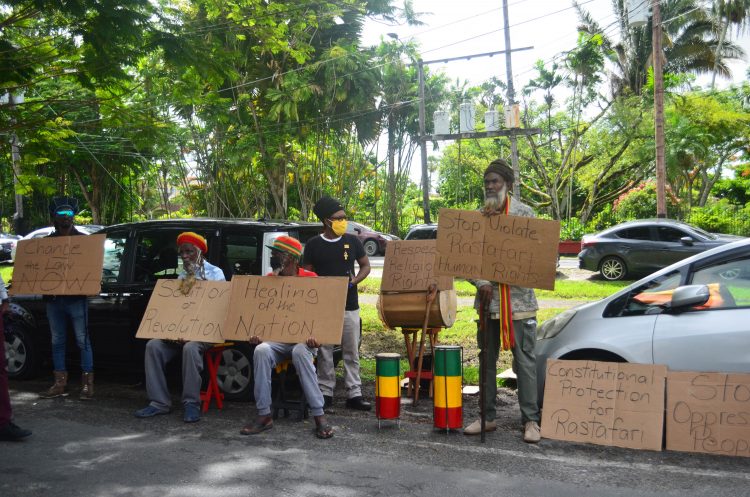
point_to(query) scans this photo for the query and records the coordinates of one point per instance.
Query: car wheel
(371, 248)
(613, 268)
(19, 352)
(235, 373)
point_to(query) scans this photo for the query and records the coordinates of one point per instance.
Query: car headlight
(552, 327)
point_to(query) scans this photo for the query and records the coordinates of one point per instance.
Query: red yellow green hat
(194, 239)
(287, 244)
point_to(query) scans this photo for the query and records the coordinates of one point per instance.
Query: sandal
(256, 427)
(323, 430)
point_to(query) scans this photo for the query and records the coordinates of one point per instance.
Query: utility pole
(511, 102)
(657, 55)
(15, 157)
(423, 145)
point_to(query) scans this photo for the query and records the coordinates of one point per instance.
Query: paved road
(99, 449)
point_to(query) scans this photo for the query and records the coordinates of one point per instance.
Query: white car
(692, 316)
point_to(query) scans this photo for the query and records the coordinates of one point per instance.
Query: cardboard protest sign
(709, 412)
(59, 265)
(198, 316)
(508, 249)
(410, 266)
(287, 309)
(604, 403)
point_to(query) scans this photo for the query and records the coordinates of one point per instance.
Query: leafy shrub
(640, 202)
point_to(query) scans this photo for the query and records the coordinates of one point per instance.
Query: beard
(493, 202)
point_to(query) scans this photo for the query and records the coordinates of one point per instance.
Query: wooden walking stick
(483, 314)
(431, 293)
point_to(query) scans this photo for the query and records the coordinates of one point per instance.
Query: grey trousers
(158, 354)
(350, 351)
(267, 355)
(524, 365)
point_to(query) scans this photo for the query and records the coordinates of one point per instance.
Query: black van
(135, 256)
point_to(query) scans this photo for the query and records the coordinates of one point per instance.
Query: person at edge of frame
(9, 431)
(517, 333)
(333, 253)
(62, 308)
(191, 248)
(285, 255)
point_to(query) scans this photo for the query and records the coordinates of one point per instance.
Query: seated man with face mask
(285, 254)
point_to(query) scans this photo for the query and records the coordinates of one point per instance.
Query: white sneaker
(475, 428)
(531, 432)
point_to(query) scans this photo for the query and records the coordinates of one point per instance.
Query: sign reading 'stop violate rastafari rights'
(198, 315)
(515, 250)
(287, 309)
(59, 265)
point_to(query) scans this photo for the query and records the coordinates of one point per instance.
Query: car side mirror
(686, 240)
(358, 230)
(689, 296)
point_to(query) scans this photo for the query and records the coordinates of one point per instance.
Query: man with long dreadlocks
(190, 247)
(512, 317)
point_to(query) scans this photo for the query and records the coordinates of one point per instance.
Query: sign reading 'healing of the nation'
(604, 403)
(409, 266)
(197, 316)
(59, 265)
(709, 412)
(508, 249)
(287, 309)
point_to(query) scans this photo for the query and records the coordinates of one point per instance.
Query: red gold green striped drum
(387, 386)
(447, 375)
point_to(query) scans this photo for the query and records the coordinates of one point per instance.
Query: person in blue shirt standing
(191, 248)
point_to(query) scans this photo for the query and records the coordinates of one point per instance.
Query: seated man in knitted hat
(517, 330)
(285, 255)
(191, 248)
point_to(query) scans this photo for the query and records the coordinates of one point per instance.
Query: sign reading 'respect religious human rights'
(508, 249)
(59, 265)
(287, 309)
(604, 403)
(198, 315)
(409, 266)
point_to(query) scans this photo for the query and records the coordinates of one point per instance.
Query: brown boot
(87, 386)
(58, 389)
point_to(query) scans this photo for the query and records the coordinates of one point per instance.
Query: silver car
(693, 315)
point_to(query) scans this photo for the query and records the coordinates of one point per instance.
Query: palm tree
(690, 44)
(729, 13)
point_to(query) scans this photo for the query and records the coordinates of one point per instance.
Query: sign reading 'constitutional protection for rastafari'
(604, 403)
(709, 412)
(508, 249)
(59, 265)
(409, 266)
(198, 316)
(287, 309)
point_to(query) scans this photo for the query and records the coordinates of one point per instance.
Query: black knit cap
(326, 206)
(502, 168)
(63, 203)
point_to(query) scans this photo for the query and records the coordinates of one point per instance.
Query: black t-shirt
(337, 258)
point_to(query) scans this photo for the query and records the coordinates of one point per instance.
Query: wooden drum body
(407, 309)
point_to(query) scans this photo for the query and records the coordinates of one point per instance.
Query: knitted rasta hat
(194, 239)
(326, 206)
(502, 168)
(287, 244)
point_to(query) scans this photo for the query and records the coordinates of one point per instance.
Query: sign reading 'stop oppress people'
(59, 265)
(508, 249)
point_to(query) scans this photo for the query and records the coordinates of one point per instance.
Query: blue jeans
(76, 309)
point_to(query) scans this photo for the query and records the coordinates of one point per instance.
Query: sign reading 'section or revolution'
(197, 315)
(287, 309)
(59, 265)
(508, 249)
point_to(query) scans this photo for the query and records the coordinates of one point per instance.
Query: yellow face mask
(338, 226)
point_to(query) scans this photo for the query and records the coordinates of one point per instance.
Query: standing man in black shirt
(333, 254)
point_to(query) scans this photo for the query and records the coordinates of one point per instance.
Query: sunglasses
(65, 213)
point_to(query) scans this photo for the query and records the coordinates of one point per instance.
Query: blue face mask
(64, 213)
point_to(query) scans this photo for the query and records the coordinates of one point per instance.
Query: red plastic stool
(213, 359)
